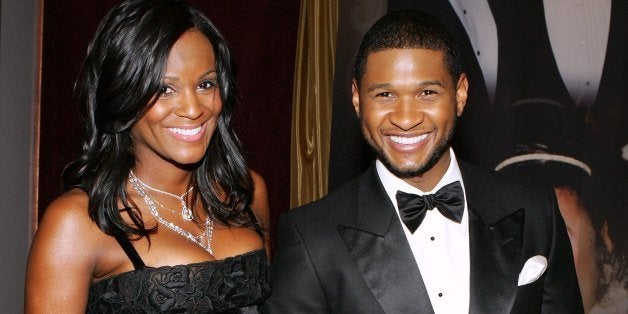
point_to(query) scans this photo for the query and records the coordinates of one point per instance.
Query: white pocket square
(532, 270)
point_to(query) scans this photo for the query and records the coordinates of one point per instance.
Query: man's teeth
(408, 140)
(187, 132)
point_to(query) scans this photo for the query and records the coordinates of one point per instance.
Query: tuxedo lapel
(381, 251)
(495, 245)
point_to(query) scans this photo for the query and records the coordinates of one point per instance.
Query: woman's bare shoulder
(68, 210)
(261, 207)
(67, 226)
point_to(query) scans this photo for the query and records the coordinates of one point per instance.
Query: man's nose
(406, 114)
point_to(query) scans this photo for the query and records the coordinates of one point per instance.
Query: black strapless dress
(233, 285)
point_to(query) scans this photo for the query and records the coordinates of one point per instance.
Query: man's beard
(436, 155)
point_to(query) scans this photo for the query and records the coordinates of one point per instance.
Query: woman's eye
(166, 91)
(207, 85)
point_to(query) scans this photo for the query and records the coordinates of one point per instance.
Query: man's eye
(385, 94)
(429, 94)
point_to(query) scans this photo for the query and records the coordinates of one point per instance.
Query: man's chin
(405, 171)
(408, 173)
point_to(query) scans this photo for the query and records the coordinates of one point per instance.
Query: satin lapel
(496, 242)
(382, 253)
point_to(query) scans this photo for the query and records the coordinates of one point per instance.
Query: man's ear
(462, 89)
(355, 97)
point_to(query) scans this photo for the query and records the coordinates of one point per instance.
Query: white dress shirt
(440, 246)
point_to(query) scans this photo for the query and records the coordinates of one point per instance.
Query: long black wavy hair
(118, 82)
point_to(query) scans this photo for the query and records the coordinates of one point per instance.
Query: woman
(161, 213)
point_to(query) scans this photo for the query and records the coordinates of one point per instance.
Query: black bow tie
(449, 200)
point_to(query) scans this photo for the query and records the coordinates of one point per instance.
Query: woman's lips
(188, 134)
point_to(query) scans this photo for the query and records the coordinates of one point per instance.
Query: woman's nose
(189, 106)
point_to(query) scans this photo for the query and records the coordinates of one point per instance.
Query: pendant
(186, 213)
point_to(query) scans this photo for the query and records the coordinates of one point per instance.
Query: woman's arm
(62, 258)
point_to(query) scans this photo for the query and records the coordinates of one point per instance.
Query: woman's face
(178, 127)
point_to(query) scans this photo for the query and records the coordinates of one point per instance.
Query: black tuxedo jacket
(347, 253)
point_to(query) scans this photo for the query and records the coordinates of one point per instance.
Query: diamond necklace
(203, 240)
(186, 212)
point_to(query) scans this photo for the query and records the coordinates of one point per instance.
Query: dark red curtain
(262, 35)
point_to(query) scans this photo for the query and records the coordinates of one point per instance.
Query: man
(370, 247)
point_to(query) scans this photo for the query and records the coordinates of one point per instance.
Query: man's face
(408, 105)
